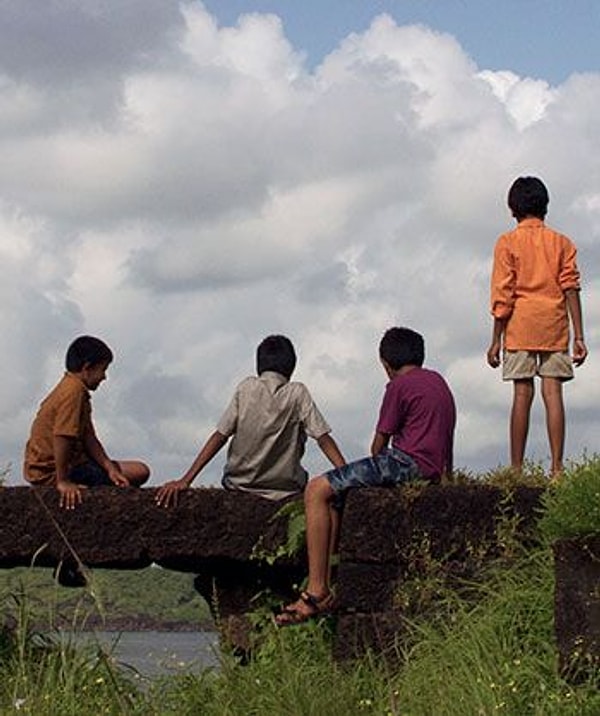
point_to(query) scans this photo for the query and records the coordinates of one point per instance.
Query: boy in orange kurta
(534, 294)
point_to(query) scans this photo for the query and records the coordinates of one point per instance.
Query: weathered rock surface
(386, 535)
(577, 605)
(125, 528)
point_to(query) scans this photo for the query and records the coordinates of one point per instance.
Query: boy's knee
(318, 488)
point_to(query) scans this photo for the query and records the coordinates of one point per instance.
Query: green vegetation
(151, 596)
(572, 505)
(484, 648)
(4, 474)
(492, 655)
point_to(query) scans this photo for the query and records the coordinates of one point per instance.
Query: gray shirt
(269, 418)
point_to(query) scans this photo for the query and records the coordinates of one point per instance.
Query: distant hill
(151, 598)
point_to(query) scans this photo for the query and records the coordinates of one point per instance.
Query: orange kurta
(66, 411)
(533, 267)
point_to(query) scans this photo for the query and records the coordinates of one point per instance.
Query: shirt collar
(273, 380)
(72, 377)
(531, 221)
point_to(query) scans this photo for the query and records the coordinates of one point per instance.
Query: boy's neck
(519, 219)
(402, 371)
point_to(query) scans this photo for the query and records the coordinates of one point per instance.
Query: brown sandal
(306, 607)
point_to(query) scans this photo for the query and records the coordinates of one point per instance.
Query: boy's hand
(167, 494)
(70, 494)
(580, 351)
(493, 354)
(116, 476)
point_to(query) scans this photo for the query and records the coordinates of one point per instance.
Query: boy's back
(269, 418)
(66, 410)
(533, 267)
(419, 412)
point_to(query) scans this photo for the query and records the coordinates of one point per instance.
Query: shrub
(572, 504)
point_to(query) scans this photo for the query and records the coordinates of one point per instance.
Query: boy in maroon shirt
(413, 441)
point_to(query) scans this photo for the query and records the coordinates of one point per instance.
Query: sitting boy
(63, 449)
(268, 419)
(418, 416)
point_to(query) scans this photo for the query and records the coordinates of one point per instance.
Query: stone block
(577, 606)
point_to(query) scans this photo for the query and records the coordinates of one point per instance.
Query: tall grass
(495, 654)
(45, 673)
(572, 505)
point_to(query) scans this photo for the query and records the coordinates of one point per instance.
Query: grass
(479, 657)
(572, 505)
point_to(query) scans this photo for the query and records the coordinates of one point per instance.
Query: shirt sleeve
(228, 423)
(71, 414)
(391, 416)
(569, 273)
(314, 423)
(503, 281)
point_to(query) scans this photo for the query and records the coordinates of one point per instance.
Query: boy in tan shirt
(534, 294)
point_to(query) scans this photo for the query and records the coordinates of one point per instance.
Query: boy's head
(400, 347)
(276, 353)
(87, 351)
(528, 196)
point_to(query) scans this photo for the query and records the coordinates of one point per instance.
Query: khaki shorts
(520, 365)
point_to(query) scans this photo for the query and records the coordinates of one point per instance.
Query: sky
(184, 178)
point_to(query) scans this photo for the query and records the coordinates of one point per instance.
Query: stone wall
(387, 535)
(577, 606)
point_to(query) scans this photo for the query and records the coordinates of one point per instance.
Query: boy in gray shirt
(268, 421)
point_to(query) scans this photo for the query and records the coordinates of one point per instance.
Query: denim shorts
(391, 467)
(89, 474)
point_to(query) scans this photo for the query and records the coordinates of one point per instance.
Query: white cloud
(186, 190)
(525, 99)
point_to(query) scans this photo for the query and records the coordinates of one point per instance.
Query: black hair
(87, 350)
(276, 353)
(528, 196)
(402, 346)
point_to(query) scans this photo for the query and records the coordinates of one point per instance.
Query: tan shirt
(66, 411)
(269, 418)
(533, 267)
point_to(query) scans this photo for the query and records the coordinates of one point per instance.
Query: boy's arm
(493, 353)
(331, 450)
(573, 300)
(167, 494)
(70, 493)
(379, 443)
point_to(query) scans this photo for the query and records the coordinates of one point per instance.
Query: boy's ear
(387, 367)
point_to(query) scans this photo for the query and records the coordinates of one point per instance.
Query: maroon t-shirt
(418, 411)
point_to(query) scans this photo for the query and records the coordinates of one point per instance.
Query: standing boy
(268, 420)
(63, 449)
(417, 416)
(534, 292)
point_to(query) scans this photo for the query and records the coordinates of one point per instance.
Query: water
(159, 653)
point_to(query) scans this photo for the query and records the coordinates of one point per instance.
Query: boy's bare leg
(519, 420)
(321, 534)
(135, 471)
(555, 421)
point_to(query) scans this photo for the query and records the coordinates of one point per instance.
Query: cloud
(186, 189)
